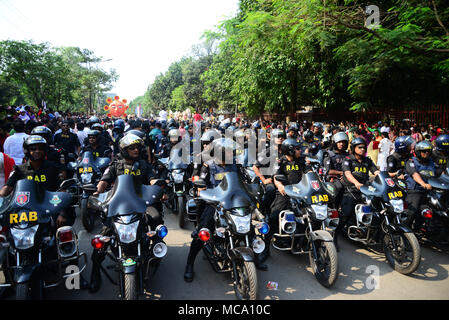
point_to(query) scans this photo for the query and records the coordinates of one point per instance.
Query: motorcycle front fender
(242, 253)
(24, 273)
(395, 228)
(128, 269)
(321, 235)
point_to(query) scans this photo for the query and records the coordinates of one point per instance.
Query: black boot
(189, 274)
(95, 276)
(259, 263)
(336, 242)
(263, 256)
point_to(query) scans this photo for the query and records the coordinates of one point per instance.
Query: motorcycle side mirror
(281, 178)
(67, 183)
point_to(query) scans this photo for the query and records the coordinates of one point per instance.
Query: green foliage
(35, 72)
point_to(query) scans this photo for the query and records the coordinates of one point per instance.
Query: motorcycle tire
(87, 218)
(329, 275)
(23, 291)
(414, 246)
(245, 285)
(181, 213)
(130, 286)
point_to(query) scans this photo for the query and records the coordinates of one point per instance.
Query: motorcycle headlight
(24, 238)
(127, 232)
(178, 177)
(86, 177)
(398, 205)
(242, 224)
(320, 211)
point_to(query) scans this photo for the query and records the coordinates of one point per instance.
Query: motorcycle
(33, 253)
(89, 171)
(178, 177)
(434, 218)
(134, 248)
(379, 219)
(309, 225)
(232, 246)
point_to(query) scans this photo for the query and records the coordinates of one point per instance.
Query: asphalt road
(292, 273)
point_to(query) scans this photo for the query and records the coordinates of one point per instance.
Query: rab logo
(390, 182)
(22, 198)
(315, 185)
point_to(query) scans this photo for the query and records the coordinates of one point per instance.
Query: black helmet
(127, 141)
(308, 135)
(278, 133)
(400, 145)
(442, 143)
(92, 120)
(422, 146)
(293, 126)
(357, 141)
(44, 132)
(209, 136)
(119, 124)
(288, 146)
(94, 133)
(33, 140)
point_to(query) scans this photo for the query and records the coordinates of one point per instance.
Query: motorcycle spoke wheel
(406, 257)
(245, 285)
(325, 267)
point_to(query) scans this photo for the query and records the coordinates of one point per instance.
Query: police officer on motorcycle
(356, 168)
(97, 149)
(419, 169)
(130, 163)
(397, 160)
(40, 170)
(292, 166)
(441, 153)
(333, 164)
(211, 172)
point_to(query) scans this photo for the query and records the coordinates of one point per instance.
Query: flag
(139, 111)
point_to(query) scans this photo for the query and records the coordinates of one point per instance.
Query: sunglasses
(133, 148)
(298, 148)
(361, 147)
(36, 148)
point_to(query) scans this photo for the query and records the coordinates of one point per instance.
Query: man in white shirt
(385, 128)
(385, 149)
(163, 115)
(13, 145)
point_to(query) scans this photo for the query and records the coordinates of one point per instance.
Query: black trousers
(280, 203)
(205, 220)
(415, 199)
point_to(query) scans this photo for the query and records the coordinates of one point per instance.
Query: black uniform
(46, 176)
(334, 161)
(67, 141)
(144, 173)
(396, 162)
(98, 152)
(441, 162)
(293, 170)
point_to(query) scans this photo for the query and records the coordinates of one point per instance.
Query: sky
(141, 37)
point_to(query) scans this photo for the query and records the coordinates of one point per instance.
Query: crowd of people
(354, 150)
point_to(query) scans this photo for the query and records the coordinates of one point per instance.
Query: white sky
(142, 37)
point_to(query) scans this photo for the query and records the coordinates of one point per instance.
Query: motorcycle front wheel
(325, 267)
(129, 286)
(407, 256)
(181, 213)
(245, 281)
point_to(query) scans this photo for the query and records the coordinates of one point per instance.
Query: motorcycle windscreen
(102, 162)
(246, 158)
(439, 183)
(178, 159)
(309, 189)
(125, 197)
(231, 193)
(32, 203)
